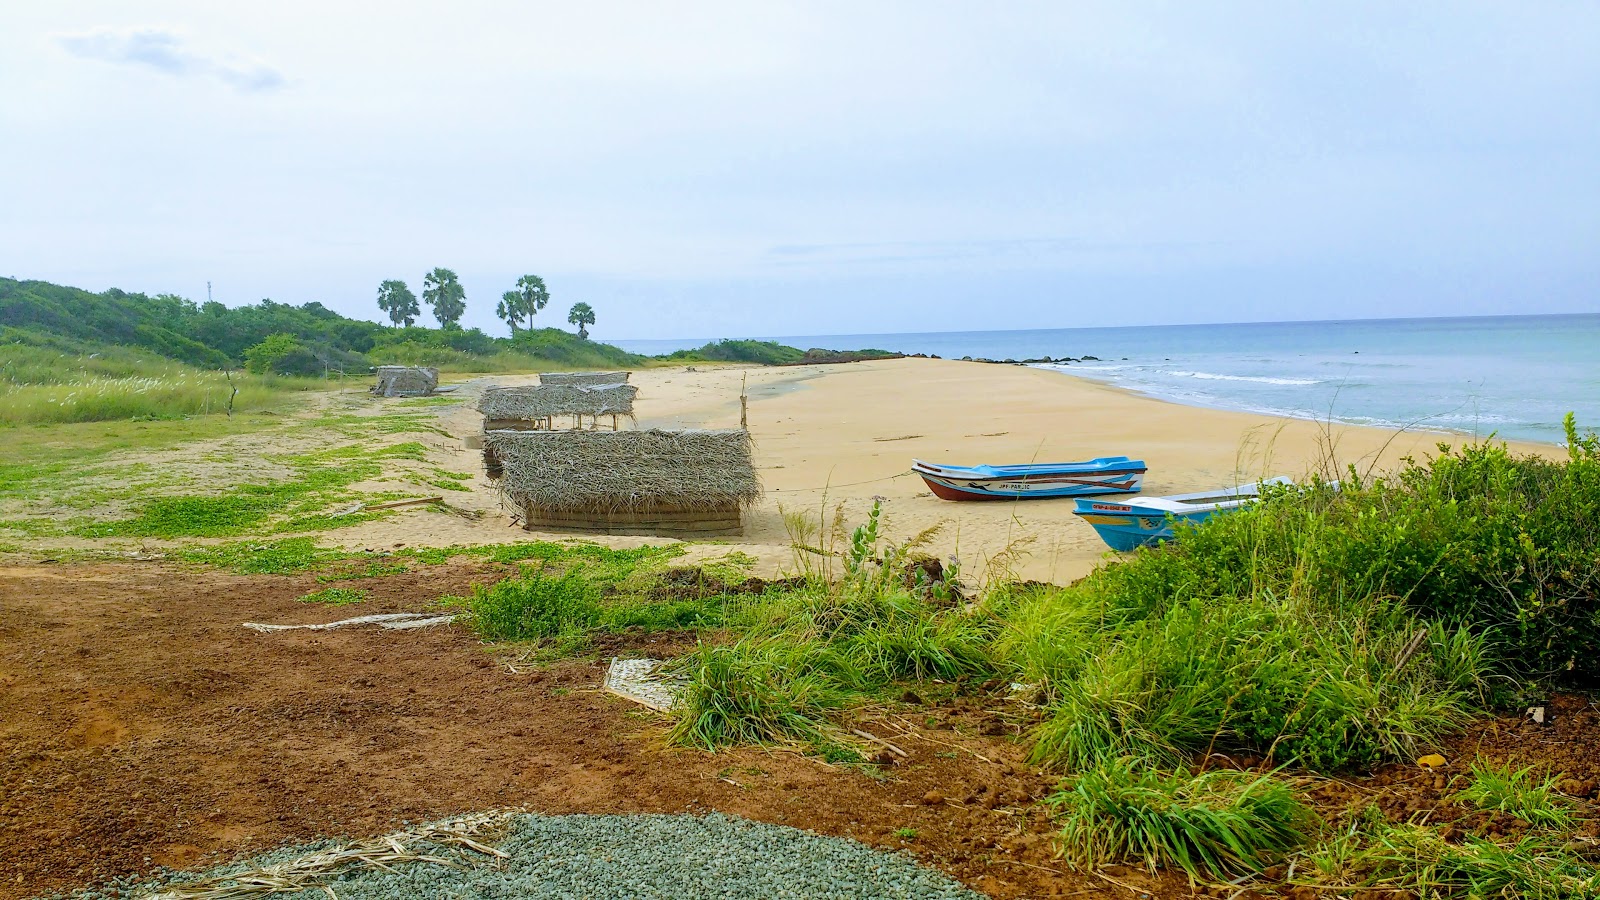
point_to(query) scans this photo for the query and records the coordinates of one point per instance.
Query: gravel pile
(643, 856)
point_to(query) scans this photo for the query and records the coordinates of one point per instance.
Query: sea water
(1510, 376)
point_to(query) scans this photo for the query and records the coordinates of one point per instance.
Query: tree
(530, 296)
(442, 291)
(580, 316)
(397, 300)
(277, 353)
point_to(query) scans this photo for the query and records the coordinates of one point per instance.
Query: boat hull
(1128, 531)
(1019, 483)
(1143, 521)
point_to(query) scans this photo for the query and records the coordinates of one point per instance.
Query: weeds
(336, 596)
(1219, 823)
(1370, 854)
(753, 692)
(1518, 792)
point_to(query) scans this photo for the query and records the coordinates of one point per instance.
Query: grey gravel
(588, 857)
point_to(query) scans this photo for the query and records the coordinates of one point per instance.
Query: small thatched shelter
(532, 408)
(628, 482)
(583, 378)
(406, 381)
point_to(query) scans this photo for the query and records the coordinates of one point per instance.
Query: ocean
(1511, 376)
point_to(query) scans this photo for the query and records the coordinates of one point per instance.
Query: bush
(535, 606)
(1506, 544)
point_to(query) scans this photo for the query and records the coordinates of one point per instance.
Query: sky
(737, 169)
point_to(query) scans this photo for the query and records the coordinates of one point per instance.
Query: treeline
(308, 339)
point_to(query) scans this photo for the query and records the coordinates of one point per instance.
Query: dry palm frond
(313, 869)
(588, 471)
(543, 400)
(583, 377)
(406, 381)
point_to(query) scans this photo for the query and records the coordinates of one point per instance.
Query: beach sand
(836, 436)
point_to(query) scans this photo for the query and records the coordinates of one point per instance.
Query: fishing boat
(1106, 475)
(1128, 524)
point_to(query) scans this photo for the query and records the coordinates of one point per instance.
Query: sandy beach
(837, 436)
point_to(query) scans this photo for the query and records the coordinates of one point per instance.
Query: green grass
(336, 596)
(1519, 792)
(534, 606)
(318, 481)
(1370, 856)
(753, 693)
(1219, 823)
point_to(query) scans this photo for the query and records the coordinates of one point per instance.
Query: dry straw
(312, 870)
(406, 381)
(545, 400)
(589, 378)
(611, 471)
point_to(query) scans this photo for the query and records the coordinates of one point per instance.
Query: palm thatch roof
(581, 471)
(406, 381)
(543, 400)
(583, 377)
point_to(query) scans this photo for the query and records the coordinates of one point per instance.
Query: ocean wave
(1260, 379)
(1075, 367)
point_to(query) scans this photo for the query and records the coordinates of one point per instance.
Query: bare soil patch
(141, 726)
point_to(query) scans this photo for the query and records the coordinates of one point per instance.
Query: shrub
(534, 606)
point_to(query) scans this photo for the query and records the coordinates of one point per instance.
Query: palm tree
(397, 300)
(442, 290)
(530, 296)
(580, 316)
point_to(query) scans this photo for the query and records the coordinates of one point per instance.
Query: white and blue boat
(1129, 524)
(1105, 475)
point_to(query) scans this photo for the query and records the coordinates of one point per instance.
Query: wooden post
(744, 403)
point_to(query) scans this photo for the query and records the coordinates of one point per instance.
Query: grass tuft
(1217, 823)
(335, 596)
(1519, 792)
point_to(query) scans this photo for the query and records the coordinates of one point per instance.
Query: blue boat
(1129, 524)
(1106, 475)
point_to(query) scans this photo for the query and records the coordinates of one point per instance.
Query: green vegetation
(317, 481)
(521, 305)
(581, 315)
(1221, 822)
(336, 596)
(442, 291)
(1371, 854)
(770, 353)
(397, 301)
(47, 380)
(68, 355)
(1518, 792)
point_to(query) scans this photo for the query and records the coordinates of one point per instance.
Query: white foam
(1259, 379)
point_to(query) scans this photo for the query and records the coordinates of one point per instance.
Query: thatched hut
(534, 407)
(628, 482)
(406, 381)
(590, 378)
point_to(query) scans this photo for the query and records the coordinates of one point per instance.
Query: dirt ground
(141, 726)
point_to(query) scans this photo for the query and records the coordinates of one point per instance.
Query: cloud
(166, 52)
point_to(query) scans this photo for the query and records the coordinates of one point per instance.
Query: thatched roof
(537, 401)
(622, 470)
(406, 381)
(583, 377)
